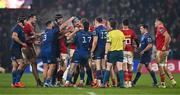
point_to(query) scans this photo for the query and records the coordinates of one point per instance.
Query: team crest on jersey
(161, 30)
(149, 40)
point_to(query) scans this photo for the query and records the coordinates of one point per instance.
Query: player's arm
(16, 39)
(65, 24)
(149, 46)
(135, 39)
(94, 43)
(137, 42)
(71, 35)
(167, 40)
(28, 38)
(108, 43)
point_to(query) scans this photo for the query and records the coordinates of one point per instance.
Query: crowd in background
(138, 11)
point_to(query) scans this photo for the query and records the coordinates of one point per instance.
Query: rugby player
(30, 53)
(82, 40)
(145, 52)
(163, 40)
(18, 42)
(48, 53)
(129, 51)
(98, 48)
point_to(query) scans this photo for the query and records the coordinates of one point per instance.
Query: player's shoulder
(16, 28)
(161, 28)
(80, 33)
(148, 35)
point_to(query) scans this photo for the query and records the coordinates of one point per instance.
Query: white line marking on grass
(91, 93)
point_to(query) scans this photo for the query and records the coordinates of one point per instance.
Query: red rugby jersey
(129, 37)
(62, 43)
(160, 38)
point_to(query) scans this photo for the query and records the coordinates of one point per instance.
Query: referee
(114, 52)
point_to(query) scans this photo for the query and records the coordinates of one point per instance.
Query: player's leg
(159, 58)
(35, 71)
(14, 71)
(45, 70)
(168, 73)
(17, 69)
(50, 72)
(138, 74)
(70, 72)
(107, 74)
(82, 74)
(170, 76)
(103, 66)
(19, 72)
(61, 69)
(98, 71)
(93, 69)
(125, 68)
(113, 77)
(130, 68)
(152, 73)
(120, 73)
(119, 65)
(89, 75)
(54, 75)
(76, 74)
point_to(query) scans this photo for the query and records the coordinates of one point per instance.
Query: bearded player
(30, 52)
(163, 40)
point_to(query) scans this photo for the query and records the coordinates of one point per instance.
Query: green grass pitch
(144, 87)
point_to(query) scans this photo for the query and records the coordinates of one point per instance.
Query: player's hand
(37, 42)
(163, 48)
(72, 18)
(24, 45)
(76, 29)
(91, 55)
(142, 52)
(105, 57)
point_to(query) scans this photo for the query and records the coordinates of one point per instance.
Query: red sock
(162, 76)
(126, 78)
(130, 75)
(113, 81)
(94, 74)
(60, 75)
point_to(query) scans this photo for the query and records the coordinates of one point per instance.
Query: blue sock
(54, 76)
(106, 77)
(82, 74)
(14, 77)
(89, 76)
(121, 78)
(138, 75)
(153, 75)
(69, 77)
(102, 73)
(18, 75)
(98, 74)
